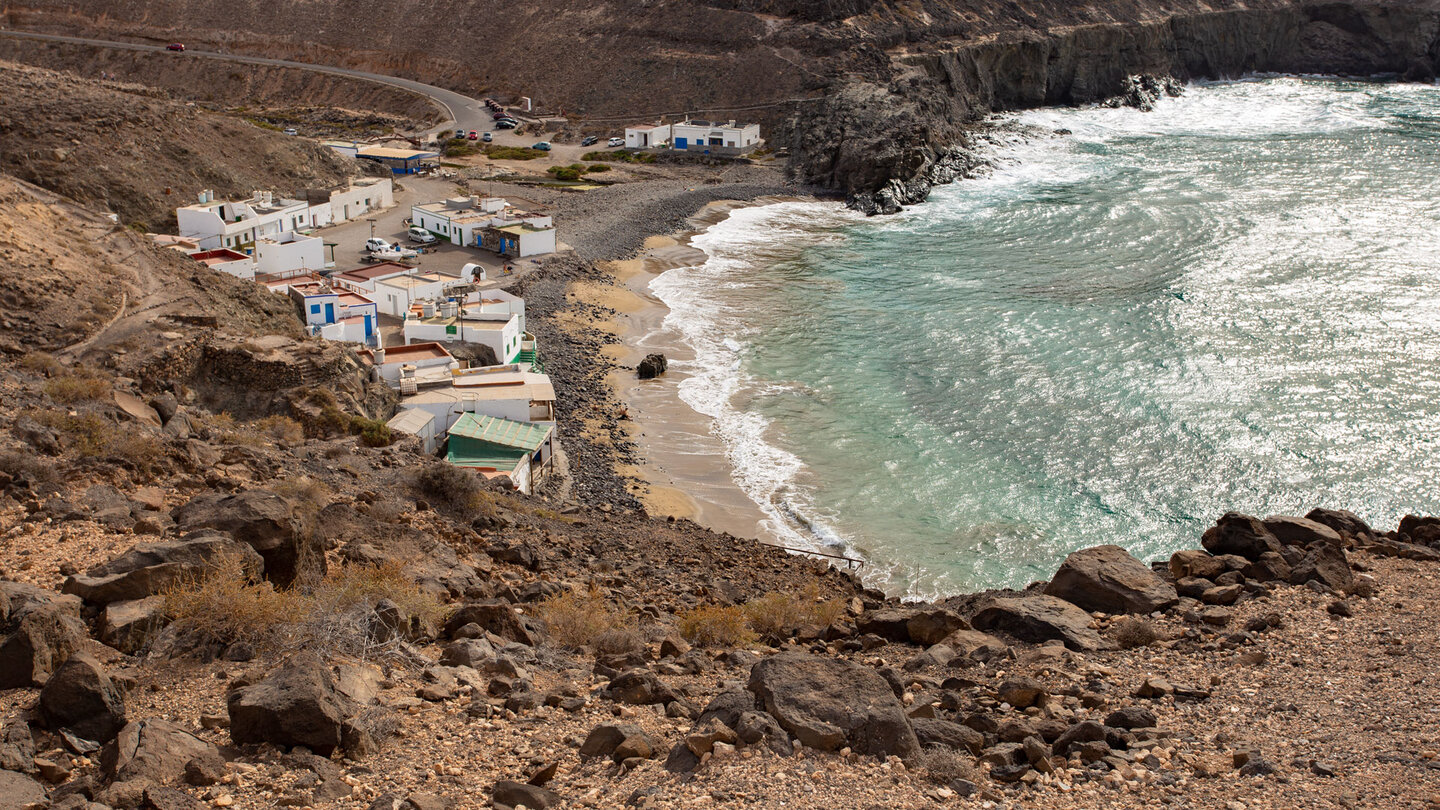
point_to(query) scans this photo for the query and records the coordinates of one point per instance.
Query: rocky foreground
(530, 659)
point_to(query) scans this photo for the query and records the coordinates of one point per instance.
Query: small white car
(420, 235)
(375, 244)
(615, 142)
(291, 131)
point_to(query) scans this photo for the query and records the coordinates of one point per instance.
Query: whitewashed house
(397, 295)
(715, 137)
(646, 135)
(430, 362)
(225, 260)
(505, 392)
(289, 252)
(239, 224)
(452, 322)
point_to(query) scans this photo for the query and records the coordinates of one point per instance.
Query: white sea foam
(736, 247)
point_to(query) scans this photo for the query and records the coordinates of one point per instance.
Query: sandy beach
(683, 470)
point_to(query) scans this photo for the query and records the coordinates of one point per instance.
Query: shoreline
(681, 469)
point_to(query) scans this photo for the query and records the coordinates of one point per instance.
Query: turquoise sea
(1136, 322)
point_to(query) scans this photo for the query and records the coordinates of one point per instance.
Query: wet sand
(685, 472)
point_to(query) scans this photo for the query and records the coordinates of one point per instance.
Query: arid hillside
(862, 92)
(120, 146)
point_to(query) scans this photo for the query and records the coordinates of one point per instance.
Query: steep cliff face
(862, 92)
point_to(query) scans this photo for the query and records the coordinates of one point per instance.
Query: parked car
(588, 140)
(291, 131)
(474, 136)
(543, 146)
(459, 133)
(420, 235)
(511, 121)
(375, 244)
(175, 46)
(487, 137)
(615, 142)
(506, 124)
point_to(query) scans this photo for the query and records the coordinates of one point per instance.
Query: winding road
(464, 112)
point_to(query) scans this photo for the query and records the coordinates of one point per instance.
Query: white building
(505, 392)
(225, 260)
(715, 137)
(289, 252)
(426, 362)
(418, 423)
(238, 225)
(646, 135)
(486, 298)
(364, 279)
(487, 222)
(335, 314)
(450, 323)
(397, 295)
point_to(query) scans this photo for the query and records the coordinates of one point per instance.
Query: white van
(420, 235)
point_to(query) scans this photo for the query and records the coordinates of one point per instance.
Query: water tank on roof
(379, 355)
(427, 308)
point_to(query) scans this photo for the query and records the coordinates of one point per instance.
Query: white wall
(203, 226)
(357, 201)
(505, 342)
(643, 137)
(535, 243)
(290, 252)
(390, 369)
(396, 300)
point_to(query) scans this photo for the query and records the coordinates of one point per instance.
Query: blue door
(680, 143)
(369, 325)
(329, 313)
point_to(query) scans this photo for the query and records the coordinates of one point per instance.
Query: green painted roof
(485, 457)
(500, 432)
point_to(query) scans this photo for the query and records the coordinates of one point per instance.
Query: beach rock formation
(829, 704)
(651, 367)
(1110, 580)
(1036, 618)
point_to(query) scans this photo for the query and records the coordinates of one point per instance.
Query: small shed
(494, 447)
(416, 422)
(400, 161)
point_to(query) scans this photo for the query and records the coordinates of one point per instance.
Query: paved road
(464, 112)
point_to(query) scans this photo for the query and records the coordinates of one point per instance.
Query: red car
(174, 46)
(474, 136)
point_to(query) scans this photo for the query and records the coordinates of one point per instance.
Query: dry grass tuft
(1131, 632)
(575, 620)
(716, 626)
(76, 387)
(943, 765)
(231, 604)
(281, 429)
(90, 435)
(778, 615)
(454, 487)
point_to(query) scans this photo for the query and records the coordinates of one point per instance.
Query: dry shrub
(776, 615)
(357, 585)
(574, 619)
(91, 435)
(372, 432)
(77, 387)
(455, 487)
(1131, 632)
(24, 466)
(1362, 588)
(716, 626)
(304, 490)
(281, 429)
(619, 641)
(386, 510)
(230, 603)
(40, 363)
(944, 765)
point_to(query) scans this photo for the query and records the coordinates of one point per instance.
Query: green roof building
(494, 447)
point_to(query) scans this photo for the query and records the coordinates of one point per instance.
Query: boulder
(296, 704)
(1036, 618)
(128, 626)
(931, 731)
(728, 706)
(1110, 580)
(929, 626)
(81, 697)
(640, 687)
(494, 616)
(754, 728)
(1347, 523)
(975, 644)
(702, 738)
(20, 792)
(651, 367)
(606, 739)
(1131, 717)
(1422, 530)
(1239, 534)
(150, 568)
(468, 652)
(262, 520)
(1298, 531)
(1326, 564)
(1194, 562)
(512, 794)
(1021, 693)
(42, 630)
(828, 704)
(889, 623)
(17, 747)
(152, 750)
(1082, 732)
(1268, 567)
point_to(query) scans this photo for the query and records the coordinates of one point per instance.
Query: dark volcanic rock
(640, 687)
(20, 791)
(651, 367)
(1347, 523)
(828, 704)
(42, 630)
(1108, 579)
(1298, 531)
(81, 697)
(511, 794)
(1036, 618)
(297, 704)
(264, 521)
(149, 568)
(495, 616)
(1325, 564)
(1239, 534)
(932, 731)
(153, 750)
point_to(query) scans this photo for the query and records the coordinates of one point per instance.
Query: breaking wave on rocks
(1136, 322)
